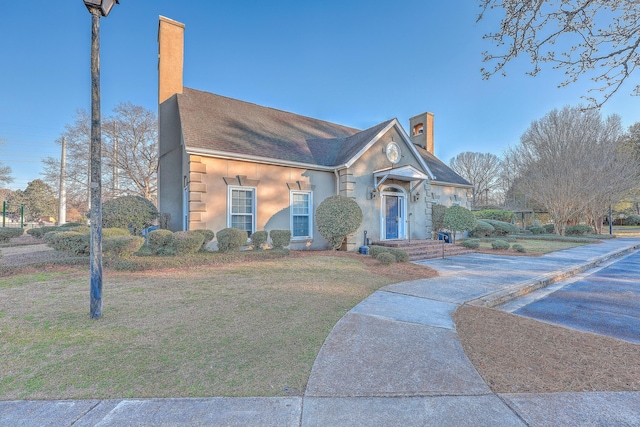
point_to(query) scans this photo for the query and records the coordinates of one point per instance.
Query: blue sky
(346, 61)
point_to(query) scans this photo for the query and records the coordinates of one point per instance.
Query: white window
(301, 215)
(242, 209)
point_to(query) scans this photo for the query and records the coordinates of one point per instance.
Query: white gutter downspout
(335, 171)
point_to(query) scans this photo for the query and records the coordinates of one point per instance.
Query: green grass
(243, 329)
(533, 246)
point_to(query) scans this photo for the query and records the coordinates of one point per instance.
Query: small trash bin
(364, 250)
(443, 235)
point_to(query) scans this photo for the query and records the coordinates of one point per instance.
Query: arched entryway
(393, 208)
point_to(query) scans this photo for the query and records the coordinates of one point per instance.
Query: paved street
(605, 301)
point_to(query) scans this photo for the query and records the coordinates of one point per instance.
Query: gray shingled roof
(224, 125)
(221, 124)
(442, 172)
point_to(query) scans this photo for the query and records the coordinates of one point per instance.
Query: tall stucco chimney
(421, 131)
(170, 58)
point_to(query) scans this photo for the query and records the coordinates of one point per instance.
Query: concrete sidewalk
(393, 360)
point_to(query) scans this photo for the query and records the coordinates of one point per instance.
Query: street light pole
(96, 172)
(97, 8)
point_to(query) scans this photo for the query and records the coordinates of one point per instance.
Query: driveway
(605, 302)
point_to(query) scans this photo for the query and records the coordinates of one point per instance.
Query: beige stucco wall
(358, 182)
(209, 190)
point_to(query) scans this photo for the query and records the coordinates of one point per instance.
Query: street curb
(523, 288)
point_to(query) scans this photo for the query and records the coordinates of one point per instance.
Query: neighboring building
(228, 163)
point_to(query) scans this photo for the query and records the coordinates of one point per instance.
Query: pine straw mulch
(515, 354)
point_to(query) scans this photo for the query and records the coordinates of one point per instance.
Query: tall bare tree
(573, 162)
(602, 39)
(482, 170)
(129, 156)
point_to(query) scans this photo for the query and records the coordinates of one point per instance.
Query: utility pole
(62, 202)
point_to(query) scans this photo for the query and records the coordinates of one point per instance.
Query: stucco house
(229, 163)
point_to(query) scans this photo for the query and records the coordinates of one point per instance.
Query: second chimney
(421, 130)
(170, 58)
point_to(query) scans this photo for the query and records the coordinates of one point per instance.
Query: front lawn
(531, 245)
(247, 328)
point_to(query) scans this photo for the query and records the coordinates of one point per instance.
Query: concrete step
(425, 249)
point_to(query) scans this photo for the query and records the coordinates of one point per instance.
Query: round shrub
(502, 228)
(471, 243)
(259, 239)
(82, 229)
(518, 247)
(374, 250)
(500, 245)
(122, 245)
(207, 234)
(9, 233)
(550, 228)
(577, 230)
(482, 229)
(458, 218)
(39, 233)
(437, 217)
(536, 229)
(70, 241)
(280, 238)
(131, 212)
(399, 254)
(161, 242)
(632, 220)
(115, 232)
(231, 239)
(187, 242)
(337, 217)
(386, 258)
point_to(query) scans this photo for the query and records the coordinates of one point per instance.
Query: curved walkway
(393, 360)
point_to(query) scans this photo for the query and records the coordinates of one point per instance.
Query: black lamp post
(97, 8)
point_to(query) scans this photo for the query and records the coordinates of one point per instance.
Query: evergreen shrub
(502, 228)
(482, 229)
(471, 243)
(577, 230)
(71, 242)
(536, 229)
(437, 217)
(374, 250)
(207, 234)
(399, 254)
(259, 239)
(280, 238)
(114, 232)
(337, 217)
(500, 245)
(9, 233)
(494, 214)
(39, 233)
(550, 228)
(130, 212)
(121, 245)
(231, 239)
(187, 242)
(161, 242)
(518, 247)
(632, 220)
(458, 218)
(386, 258)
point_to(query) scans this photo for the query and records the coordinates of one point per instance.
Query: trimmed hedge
(518, 247)
(494, 214)
(399, 254)
(374, 250)
(231, 239)
(71, 242)
(502, 228)
(114, 232)
(9, 233)
(471, 243)
(577, 230)
(259, 239)
(161, 242)
(386, 258)
(632, 220)
(536, 229)
(280, 238)
(458, 218)
(482, 229)
(39, 233)
(551, 228)
(122, 245)
(500, 245)
(207, 234)
(187, 242)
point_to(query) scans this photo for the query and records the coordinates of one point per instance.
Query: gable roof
(217, 125)
(442, 173)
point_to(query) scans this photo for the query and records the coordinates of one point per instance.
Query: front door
(392, 216)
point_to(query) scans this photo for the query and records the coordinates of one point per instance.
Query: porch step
(425, 249)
